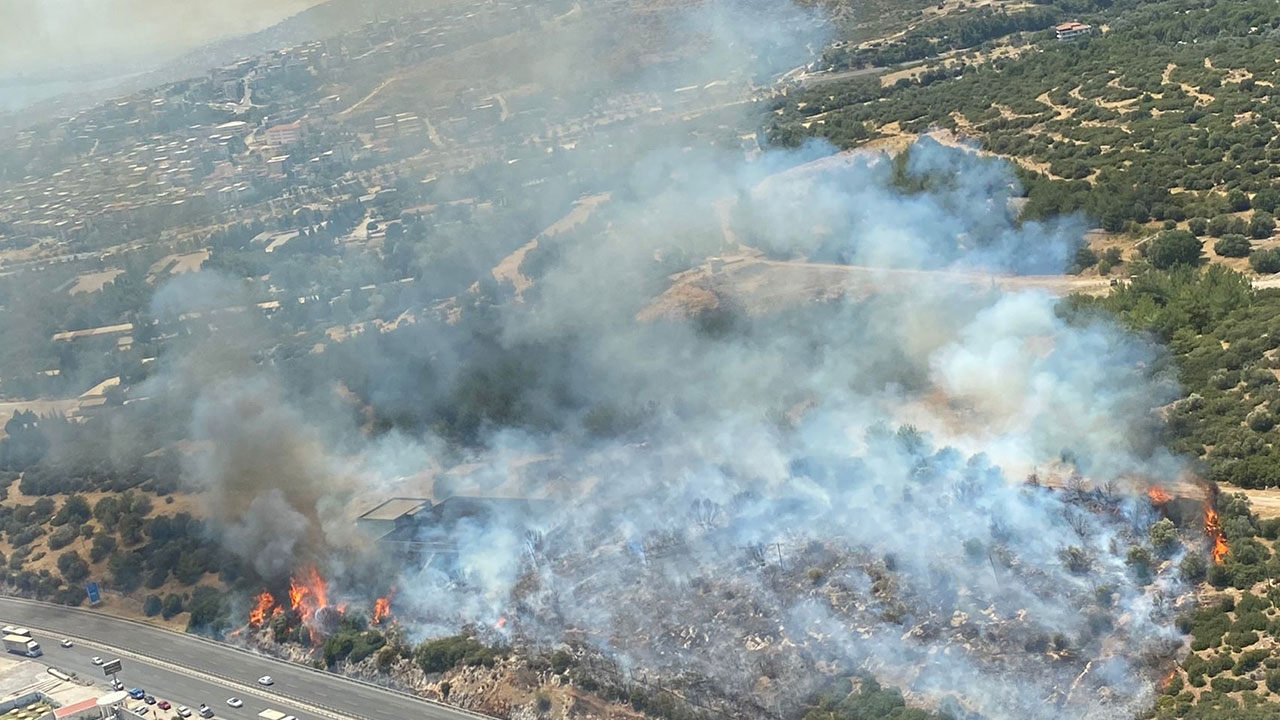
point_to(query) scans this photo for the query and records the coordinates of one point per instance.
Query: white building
(1071, 30)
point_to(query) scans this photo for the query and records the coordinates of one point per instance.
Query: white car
(235, 702)
(96, 660)
(266, 680)
(66, 642)
(184, 711)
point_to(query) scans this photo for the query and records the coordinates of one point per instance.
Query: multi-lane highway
(188, 670)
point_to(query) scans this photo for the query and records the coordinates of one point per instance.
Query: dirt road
(1266, 503)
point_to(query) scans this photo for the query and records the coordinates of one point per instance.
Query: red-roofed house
(1071, 30)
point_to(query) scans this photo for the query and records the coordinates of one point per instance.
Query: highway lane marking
(333, 679)
(209, 677)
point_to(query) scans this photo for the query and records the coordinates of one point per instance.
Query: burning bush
(309, 608)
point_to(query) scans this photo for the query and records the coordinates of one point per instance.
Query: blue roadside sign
(95, 597)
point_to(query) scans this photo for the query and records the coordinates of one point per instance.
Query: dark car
(137, 693)
(150, 700)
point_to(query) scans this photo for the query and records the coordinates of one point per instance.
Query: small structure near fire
(426, 533)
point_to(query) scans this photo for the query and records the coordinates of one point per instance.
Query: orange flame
(1168, 679)
(308, 594)
(264, 604)
(382, 608)
(1213, 529)
(1158, 495)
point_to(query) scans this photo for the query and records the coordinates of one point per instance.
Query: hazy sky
(37, 36)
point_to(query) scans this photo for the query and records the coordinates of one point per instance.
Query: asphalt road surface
(186, 670)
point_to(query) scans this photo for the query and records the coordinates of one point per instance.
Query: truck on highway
(14, 630)
(23, 645)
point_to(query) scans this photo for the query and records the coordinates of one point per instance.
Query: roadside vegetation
(1168, 116)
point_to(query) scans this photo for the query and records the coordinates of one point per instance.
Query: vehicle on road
(266, 680)
(22, 645)
(116, 684)
(270, 714)
(66, 642)
(205, 711)
(142, 710)
(96, 660)
(163, 705)
(184, 711)
(14, 630)
(150, 699)
(235, 702)
(137, 693)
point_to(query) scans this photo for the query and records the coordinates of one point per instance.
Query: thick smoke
(788, 490)
(785, 435)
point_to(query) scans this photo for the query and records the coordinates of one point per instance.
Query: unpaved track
(1266, 503)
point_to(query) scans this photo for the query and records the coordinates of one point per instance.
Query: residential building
(1071, 30)
(286, 134)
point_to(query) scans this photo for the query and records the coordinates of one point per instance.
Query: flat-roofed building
(382, 518)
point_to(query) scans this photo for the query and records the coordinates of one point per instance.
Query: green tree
(1177, 247)
(1085, 258)
(63, 536)
(103, 545)
(1220, 225)
(73, 567)
(1232, 245)
(172, 606)
(1164, 536)
(74, 510)
(1139, 562)
(152, 606)
(126, 571)
(1262, 224)
(1265, 262)
(1267, 199)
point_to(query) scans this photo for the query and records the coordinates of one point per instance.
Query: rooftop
(21, 677)
(394, 508)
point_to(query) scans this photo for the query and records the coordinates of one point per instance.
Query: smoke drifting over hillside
(875, 448)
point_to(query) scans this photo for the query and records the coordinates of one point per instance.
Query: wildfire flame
(1158, 495)
(1168, 679)
(308, 594)
(1213, 529)
(309, 605)
(382, 609)
(263, 605)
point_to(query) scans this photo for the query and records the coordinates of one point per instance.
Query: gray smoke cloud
(938, 566)
(797, 490)
(59, 35)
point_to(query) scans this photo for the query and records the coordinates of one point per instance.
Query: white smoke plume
(796, 491)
